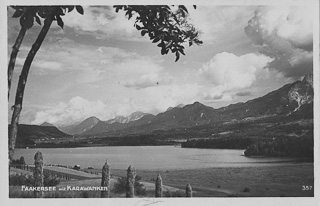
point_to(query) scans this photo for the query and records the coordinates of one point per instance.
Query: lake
(147, 157)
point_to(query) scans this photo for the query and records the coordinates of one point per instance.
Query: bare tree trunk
(105, 180)
(22, 83)
(188, 190)
(131, 175)
(13, 56)
(38, 174)
(158, 192)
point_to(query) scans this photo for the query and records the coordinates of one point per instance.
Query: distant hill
(46, 124)
(103, 127)
(28, 134)
(85, 125)
(132, 117)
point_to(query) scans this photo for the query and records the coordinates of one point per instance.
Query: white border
(159, 201)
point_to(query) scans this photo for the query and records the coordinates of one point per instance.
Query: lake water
(147, 157)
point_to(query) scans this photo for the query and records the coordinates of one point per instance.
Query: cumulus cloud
(242, 94)
(229, 72)
(160, 98)
(103, 21)
(284, 33)
(88, 64)
(219, 22)
(75, 110)
(148, 80)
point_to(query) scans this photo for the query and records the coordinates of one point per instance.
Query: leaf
(118, 8)
(161, 44)
(143, 32)
(70, 8)
(37, 19)
(183, 8)
(156, 40)
(17, 14)
(59, 21)
(195, 6)
(26, 21)
(182, 52)
(163, 50)
(79, 9)
(177, 56)
(190, 43)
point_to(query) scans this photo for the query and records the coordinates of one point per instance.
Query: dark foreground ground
(277, 180)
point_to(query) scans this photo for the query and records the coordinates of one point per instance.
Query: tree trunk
(105, 180)
(158, 186)
(22, 83)
(131, 175)
(13, 56)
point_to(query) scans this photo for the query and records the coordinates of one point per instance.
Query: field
(277, 180)
(265, 181)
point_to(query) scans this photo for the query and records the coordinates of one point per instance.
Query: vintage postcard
(160, 102)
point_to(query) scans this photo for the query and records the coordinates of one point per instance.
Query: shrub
(246, 189)
(177, 193)
(20, 179)
(18, 162)
(120, 186)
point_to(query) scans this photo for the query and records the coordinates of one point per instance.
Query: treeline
(284, 146)
(219, 143)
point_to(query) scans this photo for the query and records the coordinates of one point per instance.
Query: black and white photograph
(165, 102)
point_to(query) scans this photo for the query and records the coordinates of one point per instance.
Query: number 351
(306, 187)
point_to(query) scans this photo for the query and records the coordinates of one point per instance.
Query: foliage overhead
(165, 26)
(29, 14)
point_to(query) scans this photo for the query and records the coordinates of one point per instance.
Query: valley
(283, 115)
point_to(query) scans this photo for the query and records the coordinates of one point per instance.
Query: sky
(99, 64)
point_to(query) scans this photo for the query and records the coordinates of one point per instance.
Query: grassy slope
(264, 181)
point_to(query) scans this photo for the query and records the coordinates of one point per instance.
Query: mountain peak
(93, 118)
(308, 79)
(180, 105)
(47, 124)
(198, 104)
(132, 117)
(90, 121)
(135, 116)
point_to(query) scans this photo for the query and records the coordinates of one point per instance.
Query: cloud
(242, 94)
(160, 98)
(85, 64)
(284, 33)
(102, 22)
(75, 110)
(219, 22)
(148, 80)
(227, 71)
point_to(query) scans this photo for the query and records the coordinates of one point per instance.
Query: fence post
(158, 186)
(131, 175)
(188, 190)
(38, 174)
(105, 180)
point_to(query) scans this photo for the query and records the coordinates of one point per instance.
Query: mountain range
(291, 99)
